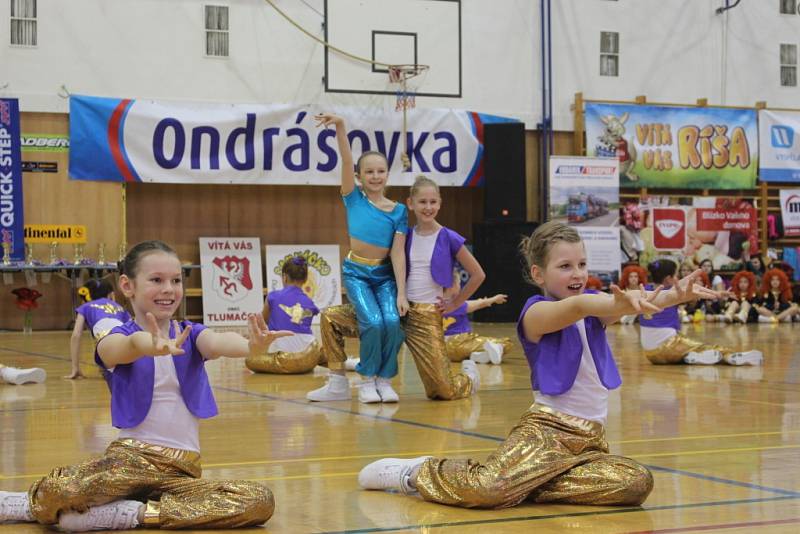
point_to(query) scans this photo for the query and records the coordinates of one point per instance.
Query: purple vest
(291, 309)
(457, 321)
(666, 318)
(555, 359)
(448, 243)
(95, 310)
(131, 384)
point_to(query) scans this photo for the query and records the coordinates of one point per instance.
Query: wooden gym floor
(722, 442)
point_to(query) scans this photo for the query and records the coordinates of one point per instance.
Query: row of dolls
(744, 302)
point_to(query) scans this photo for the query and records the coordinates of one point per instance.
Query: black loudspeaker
(504, 171)
(496, 247)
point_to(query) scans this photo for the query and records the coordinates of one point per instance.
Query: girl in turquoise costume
(374, 273)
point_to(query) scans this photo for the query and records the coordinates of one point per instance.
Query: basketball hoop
(408, 79)
(406, 89)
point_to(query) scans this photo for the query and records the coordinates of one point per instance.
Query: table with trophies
(75, 271)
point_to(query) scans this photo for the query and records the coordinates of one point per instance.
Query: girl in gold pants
(463, 343)
(557, 452)
(155, 368)
(292, 310)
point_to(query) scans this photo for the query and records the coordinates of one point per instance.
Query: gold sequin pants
(425, 341)
(167, 479)
(675, 348)
(549, 457)
(460, 346)
(336, 323)
(287, 363)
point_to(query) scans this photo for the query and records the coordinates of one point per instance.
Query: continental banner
(55, 233)
(674, 147)
(126, 140)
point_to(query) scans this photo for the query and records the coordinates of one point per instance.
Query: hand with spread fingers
(640, 301)
(687, 289)
(161, 344)
(261, 337)
(328, 119)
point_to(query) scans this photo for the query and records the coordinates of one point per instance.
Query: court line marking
(560, 516)
(712, 478)
(719, 526)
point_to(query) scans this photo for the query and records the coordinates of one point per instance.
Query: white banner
(116, 139)
(584, 193)
(324, 284)
(790, 211)
(231, 277)
(779, 146)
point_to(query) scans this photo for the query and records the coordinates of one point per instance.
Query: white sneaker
(495, 352)
(706, 357)
(390, 473)
(14, 375)
(350, 363)
(765, 319)
(368, 391)
(385, 391)
(749, 357)
(15, 506)
(117, 515)
(471, 370)
(479, 357)
(336, 388)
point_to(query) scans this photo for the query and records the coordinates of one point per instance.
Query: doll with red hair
(776, 303)
(632, 277)
(743, 298)
(595, 283)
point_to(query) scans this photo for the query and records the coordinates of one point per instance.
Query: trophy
(78, 250)
(6, 253)
(53, 252)
(28, 254)
(101, 254)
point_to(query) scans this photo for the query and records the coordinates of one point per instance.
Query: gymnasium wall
(674, 51)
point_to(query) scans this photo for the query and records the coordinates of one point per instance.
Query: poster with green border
(676, 147)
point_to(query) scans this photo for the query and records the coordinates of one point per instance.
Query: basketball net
(408, 78)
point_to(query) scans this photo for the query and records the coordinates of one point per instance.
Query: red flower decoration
(26, 298)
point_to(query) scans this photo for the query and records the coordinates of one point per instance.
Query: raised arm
(119, 349)
(479, 304)
(345, 154)
(551, 316)
(213, 345)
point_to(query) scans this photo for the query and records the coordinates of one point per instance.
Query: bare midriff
(366, 250)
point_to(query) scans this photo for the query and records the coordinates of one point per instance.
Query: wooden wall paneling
(52, 198)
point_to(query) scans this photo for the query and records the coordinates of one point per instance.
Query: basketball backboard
(394, 32)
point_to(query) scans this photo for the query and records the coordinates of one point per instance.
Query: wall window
(609, 54)
(217, 31)
(23, 22)
(788, 7)
(789, 65)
